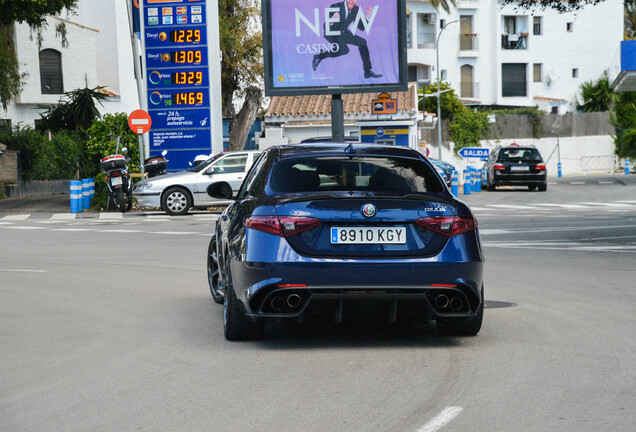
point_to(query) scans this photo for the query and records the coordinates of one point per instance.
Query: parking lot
(108, 324)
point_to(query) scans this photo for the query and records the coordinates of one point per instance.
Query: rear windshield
(519, 154)
(372, 174)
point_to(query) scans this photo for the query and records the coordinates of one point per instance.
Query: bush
(468, 127)
(102, 141)
(57, 159)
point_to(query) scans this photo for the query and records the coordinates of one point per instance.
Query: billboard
(334, 47)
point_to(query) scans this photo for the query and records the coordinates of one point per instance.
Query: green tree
(624, 120)
(77, 109)
(467, 127)
(597, 95)
(241, 45)
(558, 5)
(33, 13)
(450, 103)
(102, 141)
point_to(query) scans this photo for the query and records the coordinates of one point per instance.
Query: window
(537, 72)
(513, 79)
(51, 81)
(555, 110)
(339, 174)
(5, 124)
(230, 164)
(443, 74)
(510, 26)
(569, 26)
(412, 73)
(536, 26)
(442, 23)
(575, 73)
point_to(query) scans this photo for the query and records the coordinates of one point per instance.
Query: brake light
(448, 225)
(499, 167)
(291, 286)
(115, 174)
(540, 167)
(283, 226)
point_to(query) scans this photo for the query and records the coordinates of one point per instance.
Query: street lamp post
(439, 110)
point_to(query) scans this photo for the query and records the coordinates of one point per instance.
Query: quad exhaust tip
(441, 301)
(293, 301)
(456, 304)
(277, 303)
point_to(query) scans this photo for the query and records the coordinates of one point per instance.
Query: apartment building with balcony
(500, 55)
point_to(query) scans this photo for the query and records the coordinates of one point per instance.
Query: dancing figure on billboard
(343, 37)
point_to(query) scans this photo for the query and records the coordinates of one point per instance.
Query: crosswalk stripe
(16, 217)
(606, 204)
(63, 216)
(565, 206)
(111, 216)
(513, 207)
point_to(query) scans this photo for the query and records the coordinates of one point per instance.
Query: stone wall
(9, 166)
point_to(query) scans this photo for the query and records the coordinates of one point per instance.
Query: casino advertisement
(317, 45)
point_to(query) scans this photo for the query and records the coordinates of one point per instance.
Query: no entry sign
(139, 122)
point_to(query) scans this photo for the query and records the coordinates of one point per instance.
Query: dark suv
(516, 165)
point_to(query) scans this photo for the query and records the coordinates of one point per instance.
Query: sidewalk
(45, 204)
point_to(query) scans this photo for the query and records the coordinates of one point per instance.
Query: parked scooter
(118, 180)
(156, 165)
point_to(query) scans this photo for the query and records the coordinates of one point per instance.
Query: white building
(495, 55)
(99, 53)
(499, 55)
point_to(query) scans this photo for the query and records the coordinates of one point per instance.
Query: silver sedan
(177, 193)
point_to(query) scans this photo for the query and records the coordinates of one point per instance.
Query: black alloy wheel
(214, 273)
(236, 326)
(119, 200)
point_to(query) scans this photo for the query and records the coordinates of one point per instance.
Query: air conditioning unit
(428, 19)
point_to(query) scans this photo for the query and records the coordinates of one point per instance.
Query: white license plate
(368, 235)
(520, 168)
(115, 181)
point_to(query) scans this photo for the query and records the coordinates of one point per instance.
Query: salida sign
(474, 152)
(320, 46)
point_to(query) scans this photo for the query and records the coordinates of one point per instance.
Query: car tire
(532, 187)
(176, 201)
(461, 326)
(236, 326)
(543, 187)
(214, 272)
(491, 187)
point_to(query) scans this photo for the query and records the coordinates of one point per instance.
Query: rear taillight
(115, 174)
(499, 167)
(448, 225)
(539, 167)
(282, 226)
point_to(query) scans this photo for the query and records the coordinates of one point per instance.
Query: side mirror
(124, 150)
(220, 190)
(210, 171)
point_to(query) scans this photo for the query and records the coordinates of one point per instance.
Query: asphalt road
(107, 324)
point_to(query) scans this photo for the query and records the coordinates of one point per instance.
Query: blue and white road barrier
(76, 196)
(466, 182)
(86, 193)
(455, 183)
(627, 166)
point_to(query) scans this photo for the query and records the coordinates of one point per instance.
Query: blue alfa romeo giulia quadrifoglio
(345, 232)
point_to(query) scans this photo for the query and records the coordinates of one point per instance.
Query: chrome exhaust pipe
(277, 303)
(293, 301)
(441, 301)
(456, 304)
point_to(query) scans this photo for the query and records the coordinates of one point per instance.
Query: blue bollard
(559, 169)
(466, 182)
(478, 180)
(483, 177)
(91, 182)
(455, 183)
(76, 195)
(627, 166)
(86, 194)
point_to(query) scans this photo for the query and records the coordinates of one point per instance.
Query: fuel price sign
(176, 55)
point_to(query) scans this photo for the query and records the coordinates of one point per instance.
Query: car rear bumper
(298, 285)
(520, 179)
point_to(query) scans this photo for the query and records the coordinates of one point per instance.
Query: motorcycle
(118, 180)
(156, 165)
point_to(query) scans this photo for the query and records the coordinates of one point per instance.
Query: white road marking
(26, 227)
(63, 216)
(606, 182)
(16, 217)
(565, 206)
(111, 216)
(6, 223)
(173, 232)
(606, 204)
(22, 271)
(120, 231)
(513, 207)
(73, 229)
(577, 183)
(494, 231)
(441, 420)
(626, 201)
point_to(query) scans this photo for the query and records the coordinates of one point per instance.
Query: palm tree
(444, 4)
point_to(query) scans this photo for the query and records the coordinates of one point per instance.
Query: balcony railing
(425, 40)
(514, 41)
(468, 42)
(469, 89)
